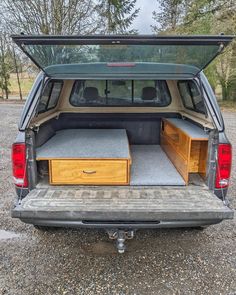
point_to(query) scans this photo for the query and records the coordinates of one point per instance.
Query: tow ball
(120, 236)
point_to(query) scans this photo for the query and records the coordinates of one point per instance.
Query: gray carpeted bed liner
(151, 166)
(86, 143)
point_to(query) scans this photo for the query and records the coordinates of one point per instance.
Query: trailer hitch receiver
(120, 236)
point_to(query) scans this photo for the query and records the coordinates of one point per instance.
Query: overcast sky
(144, 19)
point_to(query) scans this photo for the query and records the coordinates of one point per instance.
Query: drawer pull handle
(89, 171)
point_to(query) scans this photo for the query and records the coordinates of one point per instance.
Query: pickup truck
(121, 133)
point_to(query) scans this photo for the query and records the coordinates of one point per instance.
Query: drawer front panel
(179, 162)
(179, 140)
(89, 172)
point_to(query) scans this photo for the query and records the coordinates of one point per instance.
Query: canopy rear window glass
(191, 96)
(120, 93)
(50, 96)
(194, 51)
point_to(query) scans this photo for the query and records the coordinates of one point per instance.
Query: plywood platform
(86, 144)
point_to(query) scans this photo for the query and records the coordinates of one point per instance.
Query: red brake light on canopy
(121, 64)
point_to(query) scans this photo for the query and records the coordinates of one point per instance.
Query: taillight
(19, 164)
(223, 167)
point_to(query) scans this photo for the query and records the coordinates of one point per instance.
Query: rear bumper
(103, 216)
(121, 225)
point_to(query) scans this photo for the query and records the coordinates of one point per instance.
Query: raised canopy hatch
(173, 56)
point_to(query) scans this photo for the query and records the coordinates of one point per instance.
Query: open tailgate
(122, 204)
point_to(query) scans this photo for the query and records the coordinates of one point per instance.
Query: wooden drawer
(177, 159)
(179, 140)
(171, 132)
(95, 172)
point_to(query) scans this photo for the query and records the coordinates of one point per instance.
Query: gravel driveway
(85, 261)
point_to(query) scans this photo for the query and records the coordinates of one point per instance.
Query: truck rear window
(120, 93)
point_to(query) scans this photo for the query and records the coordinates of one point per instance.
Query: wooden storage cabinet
(186, 146)
(87, 157)
(97, 172)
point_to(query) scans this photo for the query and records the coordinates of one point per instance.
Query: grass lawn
(26, 84)
(229, 105)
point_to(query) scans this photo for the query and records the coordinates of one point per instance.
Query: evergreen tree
(117, 15)
(169, 16)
